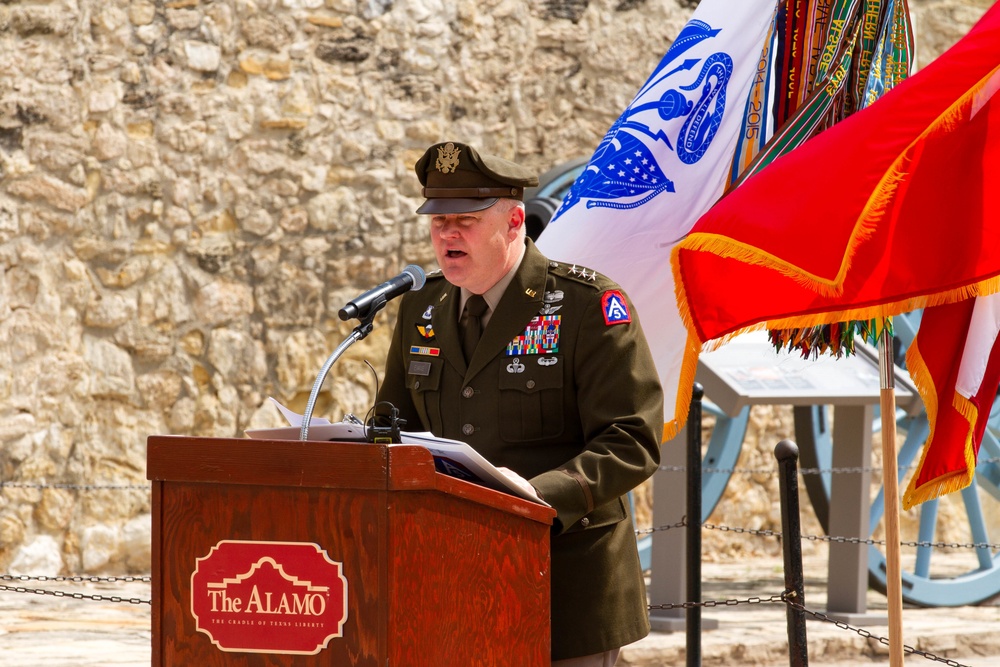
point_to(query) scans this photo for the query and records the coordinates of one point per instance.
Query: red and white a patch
(615, 308)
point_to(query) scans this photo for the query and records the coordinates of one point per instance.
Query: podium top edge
(319, 464)
(268, 462)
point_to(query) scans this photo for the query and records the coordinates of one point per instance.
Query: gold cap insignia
(447, 160)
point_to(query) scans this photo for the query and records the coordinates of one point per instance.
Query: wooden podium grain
(440, 571)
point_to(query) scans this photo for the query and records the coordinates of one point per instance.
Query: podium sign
(269, 597)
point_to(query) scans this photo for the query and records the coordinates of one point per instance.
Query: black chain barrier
(96, 597)
(76, 487)
(739, 471)
(75, 596)
(717, 603)
(868, 635)
(73, 579)
(807, 471)
(787, 598)
(76, 579)
(822, 538)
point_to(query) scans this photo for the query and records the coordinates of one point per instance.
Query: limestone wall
(190, 189)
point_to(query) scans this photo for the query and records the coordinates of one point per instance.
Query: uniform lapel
(445, 320)
(520, 303)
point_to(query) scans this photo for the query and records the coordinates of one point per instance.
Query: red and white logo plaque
(269, 597)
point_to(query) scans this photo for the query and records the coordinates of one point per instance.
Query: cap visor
(445, 206)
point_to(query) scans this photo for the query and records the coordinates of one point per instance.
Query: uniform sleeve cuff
(563, 493)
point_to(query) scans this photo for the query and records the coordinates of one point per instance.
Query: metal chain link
(823, 538)
(718, 603)
(740, 471)
(76, 579)
(647, 531)
(787, 597)
(748, 531)
(805, 471)
(74, 596)
(868, 635)
(934, 545)
(771, 471)
(77, 487)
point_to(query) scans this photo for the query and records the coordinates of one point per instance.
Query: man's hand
(520, 482)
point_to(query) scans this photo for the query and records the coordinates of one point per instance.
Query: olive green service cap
(458, 179)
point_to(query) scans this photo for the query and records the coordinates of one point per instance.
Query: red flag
(955, 363)
(893, 208)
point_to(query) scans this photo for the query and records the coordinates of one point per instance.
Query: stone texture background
(190, 189)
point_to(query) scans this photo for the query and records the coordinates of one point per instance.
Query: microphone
(369, 303)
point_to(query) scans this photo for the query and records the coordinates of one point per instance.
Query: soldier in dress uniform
(559, 390)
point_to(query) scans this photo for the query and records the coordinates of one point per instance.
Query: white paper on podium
(349, 430)
(451, 457)
(458, 459)
(341, 432)
(294, 418)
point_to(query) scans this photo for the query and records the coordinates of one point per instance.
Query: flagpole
(890, 485)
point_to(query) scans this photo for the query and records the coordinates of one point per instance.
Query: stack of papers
(458, 459)
(451, 457)
(349, 430)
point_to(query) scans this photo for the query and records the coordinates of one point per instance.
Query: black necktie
(475, 308)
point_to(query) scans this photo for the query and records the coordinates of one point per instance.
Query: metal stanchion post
(787, 454)
(693, 651)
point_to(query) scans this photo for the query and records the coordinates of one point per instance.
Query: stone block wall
(190, 190)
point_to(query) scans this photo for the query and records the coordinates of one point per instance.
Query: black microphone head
(410, 279)
(418, 275)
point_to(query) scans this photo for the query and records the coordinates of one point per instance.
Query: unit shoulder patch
(615, 308)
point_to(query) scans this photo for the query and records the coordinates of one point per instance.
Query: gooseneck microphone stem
(359, 332)
(364, 308)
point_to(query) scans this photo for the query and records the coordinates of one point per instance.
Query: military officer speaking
(542, 367)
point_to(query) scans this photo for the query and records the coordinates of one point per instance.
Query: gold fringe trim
(689, 362)
(969, 412)
(729, 248)
(689, 366)
(952, 481)
(982, 288)
(925, 387)
(716, 343)
(966, 408)
(922, 380)
(936, 488)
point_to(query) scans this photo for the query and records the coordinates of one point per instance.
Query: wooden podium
(291, 553)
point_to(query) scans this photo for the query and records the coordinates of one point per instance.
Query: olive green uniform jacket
(569, 402)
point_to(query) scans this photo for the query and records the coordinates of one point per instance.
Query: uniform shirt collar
(495, 293)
